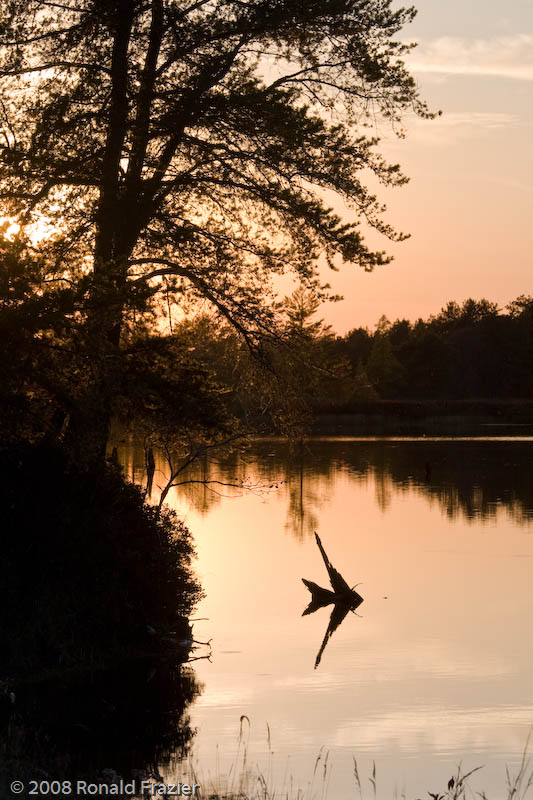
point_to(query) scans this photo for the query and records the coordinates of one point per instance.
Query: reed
(245, 780)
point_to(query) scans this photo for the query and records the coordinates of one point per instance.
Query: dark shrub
(90, 572)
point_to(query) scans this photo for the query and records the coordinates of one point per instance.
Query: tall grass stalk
(246, 781)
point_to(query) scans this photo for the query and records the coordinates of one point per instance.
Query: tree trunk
(101, 377)
(89, 429)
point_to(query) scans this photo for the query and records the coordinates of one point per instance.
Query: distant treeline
(468, 351)
(471, 359)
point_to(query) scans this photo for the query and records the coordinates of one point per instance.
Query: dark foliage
(466, 352)
(471, 360)
(39, 358)
(90, 572)
(47, 368)
(98, 727)
(166, 389)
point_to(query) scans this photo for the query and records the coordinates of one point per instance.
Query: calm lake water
(435, 669)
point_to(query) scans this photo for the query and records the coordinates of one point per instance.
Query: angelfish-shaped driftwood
(343, 598)
(342, 593)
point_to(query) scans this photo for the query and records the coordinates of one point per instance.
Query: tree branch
(174, 269)
(193, 456)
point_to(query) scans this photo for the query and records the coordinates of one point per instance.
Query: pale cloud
(474, 120)
(504, 56)
(458, 126)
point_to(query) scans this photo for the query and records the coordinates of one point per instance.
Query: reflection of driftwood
(343, 599)
(150, 468)
(338, 613)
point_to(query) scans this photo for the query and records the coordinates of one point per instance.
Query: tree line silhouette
(472, 356)
(473, 350)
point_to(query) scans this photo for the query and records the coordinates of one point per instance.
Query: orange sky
(468, 206)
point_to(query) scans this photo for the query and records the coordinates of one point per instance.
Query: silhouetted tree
(358, 343)
(384, 370)
(193, 141)
(40, 355)
(299, 307)
(522, 306)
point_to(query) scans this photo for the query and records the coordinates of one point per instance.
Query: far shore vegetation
(460, 371)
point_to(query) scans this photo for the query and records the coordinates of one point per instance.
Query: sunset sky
(468, 206)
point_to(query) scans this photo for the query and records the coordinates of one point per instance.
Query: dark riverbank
(97, 589)
(91, 573)
(426, 418)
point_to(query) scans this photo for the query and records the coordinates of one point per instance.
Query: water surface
(437, 666)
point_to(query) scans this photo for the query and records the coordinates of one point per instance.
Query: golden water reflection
(473, 478)
(438, 667)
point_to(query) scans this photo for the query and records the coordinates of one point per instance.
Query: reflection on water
(127, 722)
(474, 478)
(437, 667)
(339, 612)
(343, 598)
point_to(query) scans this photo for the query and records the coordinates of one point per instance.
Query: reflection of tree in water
(478, 479)
(475, 479)
(384, 490)
(199, 483)
(126, 722)
(471, 478)
(307, 494)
